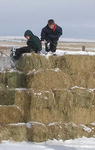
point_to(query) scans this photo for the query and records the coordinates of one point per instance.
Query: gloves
(44, 42)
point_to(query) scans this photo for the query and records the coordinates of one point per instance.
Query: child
(33, 45)
(50, 36)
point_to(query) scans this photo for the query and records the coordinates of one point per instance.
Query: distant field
(76, 46)
(6, 43)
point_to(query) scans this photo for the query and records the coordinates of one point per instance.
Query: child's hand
(44, 42)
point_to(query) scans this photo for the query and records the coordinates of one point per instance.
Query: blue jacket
(51, 35)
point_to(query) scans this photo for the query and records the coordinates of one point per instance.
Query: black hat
(28, 33)
(51, 21)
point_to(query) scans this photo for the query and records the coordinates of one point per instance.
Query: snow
(85, 128)
(77, 144)
(65, 52)
(81, 143)
(53, 123)
(57, 70)
(21, 38)
(77, 87)
(82, 88)
(61, 53)
(12, 38)
(93, 123)
(9, 45)
(28, 124)
(38, 94)
(21, 89)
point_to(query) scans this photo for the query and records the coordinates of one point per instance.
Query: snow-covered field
(21, 38)
(77, 144)
(62, 52)
(75, 40)
(12, 38)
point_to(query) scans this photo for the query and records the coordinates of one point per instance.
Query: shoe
(49, 53)
(52, 53)
(13, 52)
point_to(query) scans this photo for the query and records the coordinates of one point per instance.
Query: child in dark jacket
(50, 36)
(33, 45)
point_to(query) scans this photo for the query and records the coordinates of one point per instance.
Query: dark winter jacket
(34, 42)
(50, 34)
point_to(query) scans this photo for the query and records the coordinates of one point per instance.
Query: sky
(76, 17)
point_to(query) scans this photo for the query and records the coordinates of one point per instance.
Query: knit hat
(28, 33)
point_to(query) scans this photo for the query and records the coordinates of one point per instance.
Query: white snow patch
(28, 124)
(21, 89)
(21, 38)
(36, 123)
(77, 87)
(77, 144)
(61, 53)
(17, 124)
(91, 90)
(82, 88)
(85, 128)
(38, 94)
(9, 45)
(26, 54)
(53, 123)
(93, 123)
(12, 38)
(57, 70)
(12, 70)
(81, 144)
(66, 52)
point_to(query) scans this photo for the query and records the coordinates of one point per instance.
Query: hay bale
(37, 133)
(29, 62)
(10, 114)
(43, 107)
(48, 79)
(13, 132)
(78, 68)
(7, 96)
(69, 131)
(84, 79)
(73, 63)
(23, 101)
(12, 79)
(76, 105)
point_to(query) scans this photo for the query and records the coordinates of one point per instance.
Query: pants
(52, 46)
(22, 50)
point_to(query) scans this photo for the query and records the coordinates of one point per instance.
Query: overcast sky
(77, 17)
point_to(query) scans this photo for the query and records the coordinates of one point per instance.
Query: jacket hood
(28, 33)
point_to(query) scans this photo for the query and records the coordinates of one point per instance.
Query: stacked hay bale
(48, 98)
